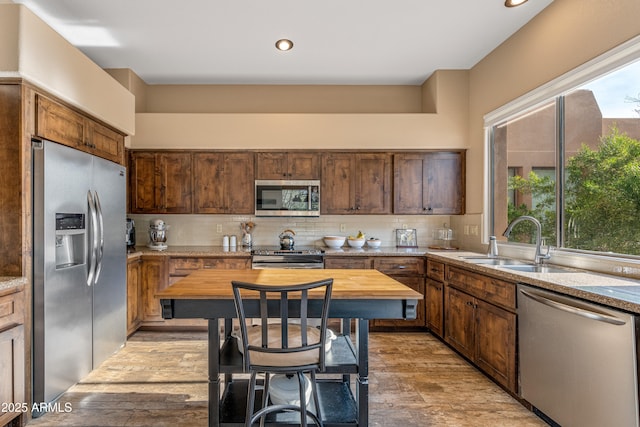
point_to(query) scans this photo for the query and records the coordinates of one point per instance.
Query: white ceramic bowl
(334, 242)
(356, 243)
(373, 243)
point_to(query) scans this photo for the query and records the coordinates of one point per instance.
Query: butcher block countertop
(347, 284)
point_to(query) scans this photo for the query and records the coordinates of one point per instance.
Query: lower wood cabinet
(154, 279)
(480, 322)
(157, 272)
(134, 295)
(434, 302)
(406, 270)
(434, 297)
(12, 358)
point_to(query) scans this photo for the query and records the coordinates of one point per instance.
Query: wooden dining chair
(285, 347)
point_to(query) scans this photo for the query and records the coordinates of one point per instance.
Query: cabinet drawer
(491, 290)
(11, 310)
(348, 262)
(186, 266)
(400, 265)
(435, 270)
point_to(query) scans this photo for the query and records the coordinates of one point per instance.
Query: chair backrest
(291, 342)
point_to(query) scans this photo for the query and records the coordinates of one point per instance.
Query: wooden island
(357, 294)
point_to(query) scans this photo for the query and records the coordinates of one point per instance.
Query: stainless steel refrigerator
(79, 265)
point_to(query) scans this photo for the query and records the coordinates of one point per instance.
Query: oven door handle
(298, 266)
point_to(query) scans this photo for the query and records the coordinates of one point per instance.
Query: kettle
(286, 239)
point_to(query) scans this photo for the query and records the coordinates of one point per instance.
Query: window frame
(554, 90)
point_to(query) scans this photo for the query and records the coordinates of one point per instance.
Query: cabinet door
(409, 172)
(460, 321)
(173, 182)
(154, 279)
(12, 371)
(373, 183)
(134, 295)
(142, 182)
(304, 165)
(417, 284)
(429, 183)
(338, 183)
(496, 343)
(208, 178)
(104, 142)
(434, 301)
(445, 178)
(271, 166)
(58, 123)
(239, 183)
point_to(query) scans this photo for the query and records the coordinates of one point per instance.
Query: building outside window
(573, 162)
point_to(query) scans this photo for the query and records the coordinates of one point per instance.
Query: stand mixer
(157, 235)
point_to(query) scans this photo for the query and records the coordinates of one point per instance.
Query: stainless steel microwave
(287, 197)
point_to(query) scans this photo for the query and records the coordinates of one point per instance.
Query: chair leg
(251, 398)
(265, 395)
(316, 401)
(303, 400)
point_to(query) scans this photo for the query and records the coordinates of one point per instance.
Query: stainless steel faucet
(538, 258)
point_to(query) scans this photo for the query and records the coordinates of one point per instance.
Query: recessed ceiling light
(514, 3)
(284, 44)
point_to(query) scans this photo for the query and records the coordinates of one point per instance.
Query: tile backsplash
(208, 230)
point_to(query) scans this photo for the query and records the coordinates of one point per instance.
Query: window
(573, 162)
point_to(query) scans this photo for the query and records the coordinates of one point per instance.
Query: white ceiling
(396, 42)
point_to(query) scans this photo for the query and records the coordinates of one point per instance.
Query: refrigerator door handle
(100, 239)
(93, 239)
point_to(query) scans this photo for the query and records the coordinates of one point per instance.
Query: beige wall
(9, 26)
(355, 130)
(565, 35)
(282, 99)
(32, 50)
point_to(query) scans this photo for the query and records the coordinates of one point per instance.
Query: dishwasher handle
(601, 317)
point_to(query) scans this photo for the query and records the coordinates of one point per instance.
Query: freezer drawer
(578, 361)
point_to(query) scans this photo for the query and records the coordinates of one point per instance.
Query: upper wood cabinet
(224, 182)
(356, 183)
(58, 123)
(294, 165)
(160, 182)
(429, 183)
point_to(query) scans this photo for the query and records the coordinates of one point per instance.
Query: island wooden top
(347, 284)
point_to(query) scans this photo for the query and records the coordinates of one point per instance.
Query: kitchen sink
(531, 268)
(492, 261)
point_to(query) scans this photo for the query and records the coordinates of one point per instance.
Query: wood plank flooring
(159, 379)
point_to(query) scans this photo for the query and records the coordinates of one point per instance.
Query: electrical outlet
(405, 226)
(218, 228)
(343, 228)
(466, 230)
(474, 230)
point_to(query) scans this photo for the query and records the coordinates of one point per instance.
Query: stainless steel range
(274, 257)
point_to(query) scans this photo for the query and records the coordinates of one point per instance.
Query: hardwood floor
(159, 379)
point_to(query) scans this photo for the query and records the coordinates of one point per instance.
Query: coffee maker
(130, 235)
(157, 235)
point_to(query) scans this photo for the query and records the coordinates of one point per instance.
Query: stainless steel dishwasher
(578, 361)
